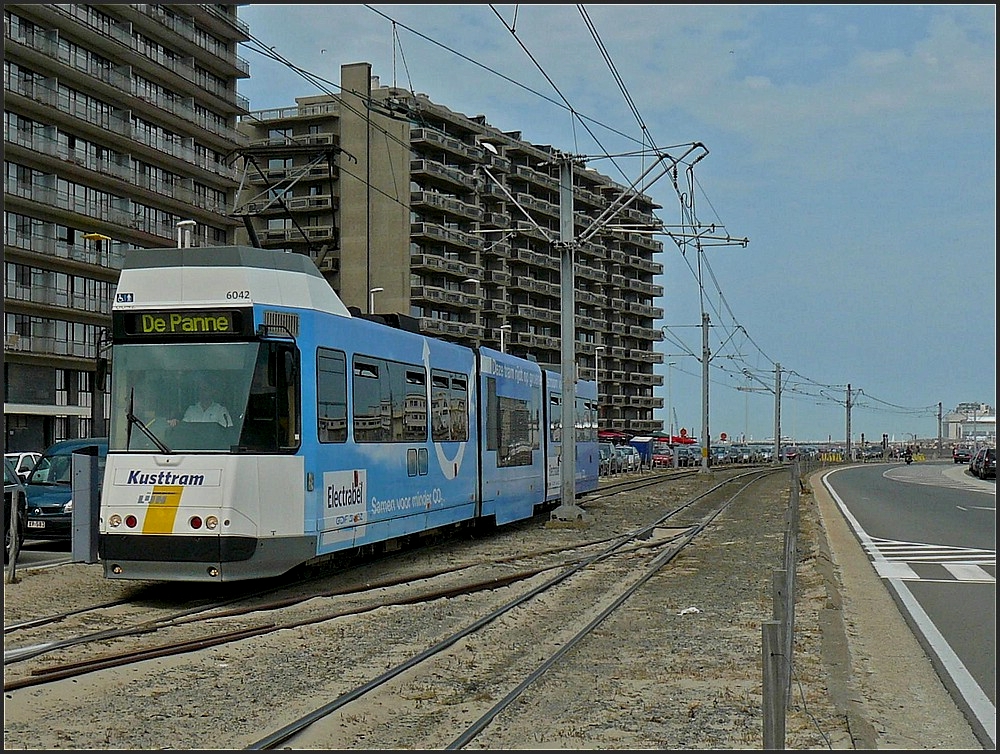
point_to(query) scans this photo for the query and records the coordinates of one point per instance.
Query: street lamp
(670, 413)
(98, 385)
(184, 230)
(597, 377)
(371, 298)
(670, 399)
(476, 307)
(503, 329)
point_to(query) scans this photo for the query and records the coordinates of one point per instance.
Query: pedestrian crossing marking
(964, 572)
(901, 571)
(894, 559)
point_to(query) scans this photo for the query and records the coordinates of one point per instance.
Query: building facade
(122, 123)
(972, 423)
(119, 121)
(410, 208)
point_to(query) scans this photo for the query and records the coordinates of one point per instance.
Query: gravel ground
(679, 667)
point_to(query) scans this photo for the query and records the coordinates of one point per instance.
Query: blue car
(50, 488)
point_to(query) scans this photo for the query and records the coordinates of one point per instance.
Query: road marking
(964, 572)
(894, 560)
(937, 475)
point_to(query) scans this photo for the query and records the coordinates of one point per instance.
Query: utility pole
(103, 341)
(706, 438)
(847, 452)
(937, 450)
(567, 510)
(777, 412)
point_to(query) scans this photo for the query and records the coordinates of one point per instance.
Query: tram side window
(389, 400)
(555, 418)
(516, 443)
(287, 379)
(511, 427)
(492, 439)
(415, 406)
(440, 407)
(449, 407)
(459, 408)
(271, 421)
(586, 420)
(331, 395)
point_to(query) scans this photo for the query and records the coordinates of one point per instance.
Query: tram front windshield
(203, 397)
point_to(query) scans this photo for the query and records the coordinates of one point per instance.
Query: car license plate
(36, 524)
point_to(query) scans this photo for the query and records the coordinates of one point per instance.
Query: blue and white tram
(587, 451)
(338, 432)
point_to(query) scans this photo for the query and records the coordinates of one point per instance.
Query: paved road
(873, 568)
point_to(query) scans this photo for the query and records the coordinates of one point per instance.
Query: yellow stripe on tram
(162, 510)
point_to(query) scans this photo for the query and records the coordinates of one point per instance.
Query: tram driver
(206, 408)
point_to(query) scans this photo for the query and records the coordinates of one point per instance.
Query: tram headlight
(211, 523)
(115, 521)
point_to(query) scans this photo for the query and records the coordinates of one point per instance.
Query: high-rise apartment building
(410, 208)
(123, 125)
(119, 122)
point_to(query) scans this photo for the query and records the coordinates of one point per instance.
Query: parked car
(984, 463)
(719, 454)
(662, 456)
(631, 459)
(961, 454)
(24, 461)
(686, 455)
(13, 488)
(974, 464)
(989, 465)
(608, 463)
(874, 453)
(50, 488)
(743, 454)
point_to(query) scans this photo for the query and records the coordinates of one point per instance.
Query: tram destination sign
(183, 323)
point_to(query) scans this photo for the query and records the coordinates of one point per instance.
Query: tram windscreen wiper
(135, 420)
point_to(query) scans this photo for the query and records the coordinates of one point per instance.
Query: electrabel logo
(345, 496)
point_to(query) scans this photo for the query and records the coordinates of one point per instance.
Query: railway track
(255, 606)
(416, 626)
(630, 580)
(160, 611)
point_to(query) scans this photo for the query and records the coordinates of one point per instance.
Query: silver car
(24, 461)
(631, 458)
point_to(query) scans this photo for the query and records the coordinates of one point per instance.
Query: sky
(852, 148)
